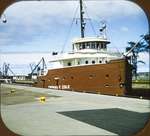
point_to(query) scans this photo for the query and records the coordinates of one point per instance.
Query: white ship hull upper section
(85, 51)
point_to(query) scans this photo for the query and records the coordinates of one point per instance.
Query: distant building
(20, 77)
(34, 76)
(143, 76)
(8, 81)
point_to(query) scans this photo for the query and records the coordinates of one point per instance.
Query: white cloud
(124, 29)
(28, 18)
(19, 62)
(34, 12)
(145, 58)
(113, 8)
(31, 19)
(24, 58)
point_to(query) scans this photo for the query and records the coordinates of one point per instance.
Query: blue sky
(44, 26)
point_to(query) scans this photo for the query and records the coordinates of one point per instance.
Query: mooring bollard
(42, 99)
(12, 91)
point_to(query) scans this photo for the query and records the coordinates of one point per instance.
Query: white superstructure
(86, 51)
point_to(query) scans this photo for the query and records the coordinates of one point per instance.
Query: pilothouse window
(103, 46)
(82, 46)
(97, 45)
(93, 45)
(88, 45)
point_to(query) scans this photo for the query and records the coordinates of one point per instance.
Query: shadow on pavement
(119, 121)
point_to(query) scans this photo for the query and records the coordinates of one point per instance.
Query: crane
(37, 67)
(6, 69)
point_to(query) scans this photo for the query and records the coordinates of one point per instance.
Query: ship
(89, 67)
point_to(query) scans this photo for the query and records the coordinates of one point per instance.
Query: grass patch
(11, 96)
(145, 86)
(24, 81)
(141, 84)
(141, 81)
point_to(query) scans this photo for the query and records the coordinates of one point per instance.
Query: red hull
(113, 78)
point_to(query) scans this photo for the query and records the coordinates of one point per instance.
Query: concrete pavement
(76, 113)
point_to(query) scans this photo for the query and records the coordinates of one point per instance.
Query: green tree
(142, 46)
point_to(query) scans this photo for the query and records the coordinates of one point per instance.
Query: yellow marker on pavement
(42, 99)
(12, 91)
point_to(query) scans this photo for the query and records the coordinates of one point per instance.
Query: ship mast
(82, 23)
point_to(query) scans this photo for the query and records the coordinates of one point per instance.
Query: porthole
(93, 61)
(107, 76)
(69, 63)
(86, 62)
(106, 85)
(100, 61)
(90, 76)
